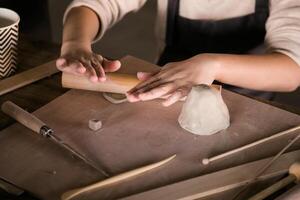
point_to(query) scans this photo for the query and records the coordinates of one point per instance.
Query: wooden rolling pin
(294, 176)
(115, 83)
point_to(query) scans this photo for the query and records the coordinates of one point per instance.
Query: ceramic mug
(9, 31)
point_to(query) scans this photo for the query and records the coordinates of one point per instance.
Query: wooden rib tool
(36, 125)
(206, 161)
(294, 176)
(75, 192)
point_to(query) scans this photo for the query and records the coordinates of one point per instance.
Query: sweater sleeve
(109, 12)
(283, 28)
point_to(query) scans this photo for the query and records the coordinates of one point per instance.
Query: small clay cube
(95, 124)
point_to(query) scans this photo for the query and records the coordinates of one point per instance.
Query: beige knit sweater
(283, 24)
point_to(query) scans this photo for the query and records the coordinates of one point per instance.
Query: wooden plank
(24, 78)
(210, 184)
(133, 135)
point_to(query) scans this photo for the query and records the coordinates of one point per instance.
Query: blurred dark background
(34, 14)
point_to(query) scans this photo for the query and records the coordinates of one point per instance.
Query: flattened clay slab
(204, 111)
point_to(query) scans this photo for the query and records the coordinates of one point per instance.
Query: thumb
(61, 63)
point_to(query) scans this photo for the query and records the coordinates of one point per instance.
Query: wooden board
(27, 77)
(133, 135)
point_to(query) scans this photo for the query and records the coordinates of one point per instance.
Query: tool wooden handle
(115, 83)
(22, 116)
(294, 176)
(75, 192)
(274, 188)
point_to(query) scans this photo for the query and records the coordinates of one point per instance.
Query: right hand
(78, 58)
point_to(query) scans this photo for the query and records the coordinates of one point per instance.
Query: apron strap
(173, 9)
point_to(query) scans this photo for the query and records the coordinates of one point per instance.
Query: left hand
(175, 80)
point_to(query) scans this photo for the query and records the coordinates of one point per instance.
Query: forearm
(81, 27)
(270, 72)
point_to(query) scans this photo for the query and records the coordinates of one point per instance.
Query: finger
(148, 87)
(142, 84)
(132, 98)
(177, 83)
(74, 67)
(111, 65)
(77, 67)
(158, 92)
(151, 78)
(61, 63)
(176, 96)
(99, 69)
(145, 77)
(90, 71)
(142, 76)
(166, 96)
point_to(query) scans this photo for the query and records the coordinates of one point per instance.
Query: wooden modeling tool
(115, 179)
(33, 123)
(206, 161)
(269, 164)
(294, 176)
(115, 83)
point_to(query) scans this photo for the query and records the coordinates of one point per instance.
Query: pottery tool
(294, 176)
(36, 125)
(115, 179)
(206, 161)
(274, 159)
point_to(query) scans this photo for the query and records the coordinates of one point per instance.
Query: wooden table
(40, 93)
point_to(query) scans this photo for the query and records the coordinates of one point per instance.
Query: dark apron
(186, 37)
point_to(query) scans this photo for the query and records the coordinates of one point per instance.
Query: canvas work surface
(132, 135)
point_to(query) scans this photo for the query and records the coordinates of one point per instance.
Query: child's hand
(175, 80)
(77, 58)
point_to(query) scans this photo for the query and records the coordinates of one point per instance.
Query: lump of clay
(204, 111)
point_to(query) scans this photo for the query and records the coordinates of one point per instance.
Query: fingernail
(102, 79)
(94, 78)
(81, 70)
(60, 62)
